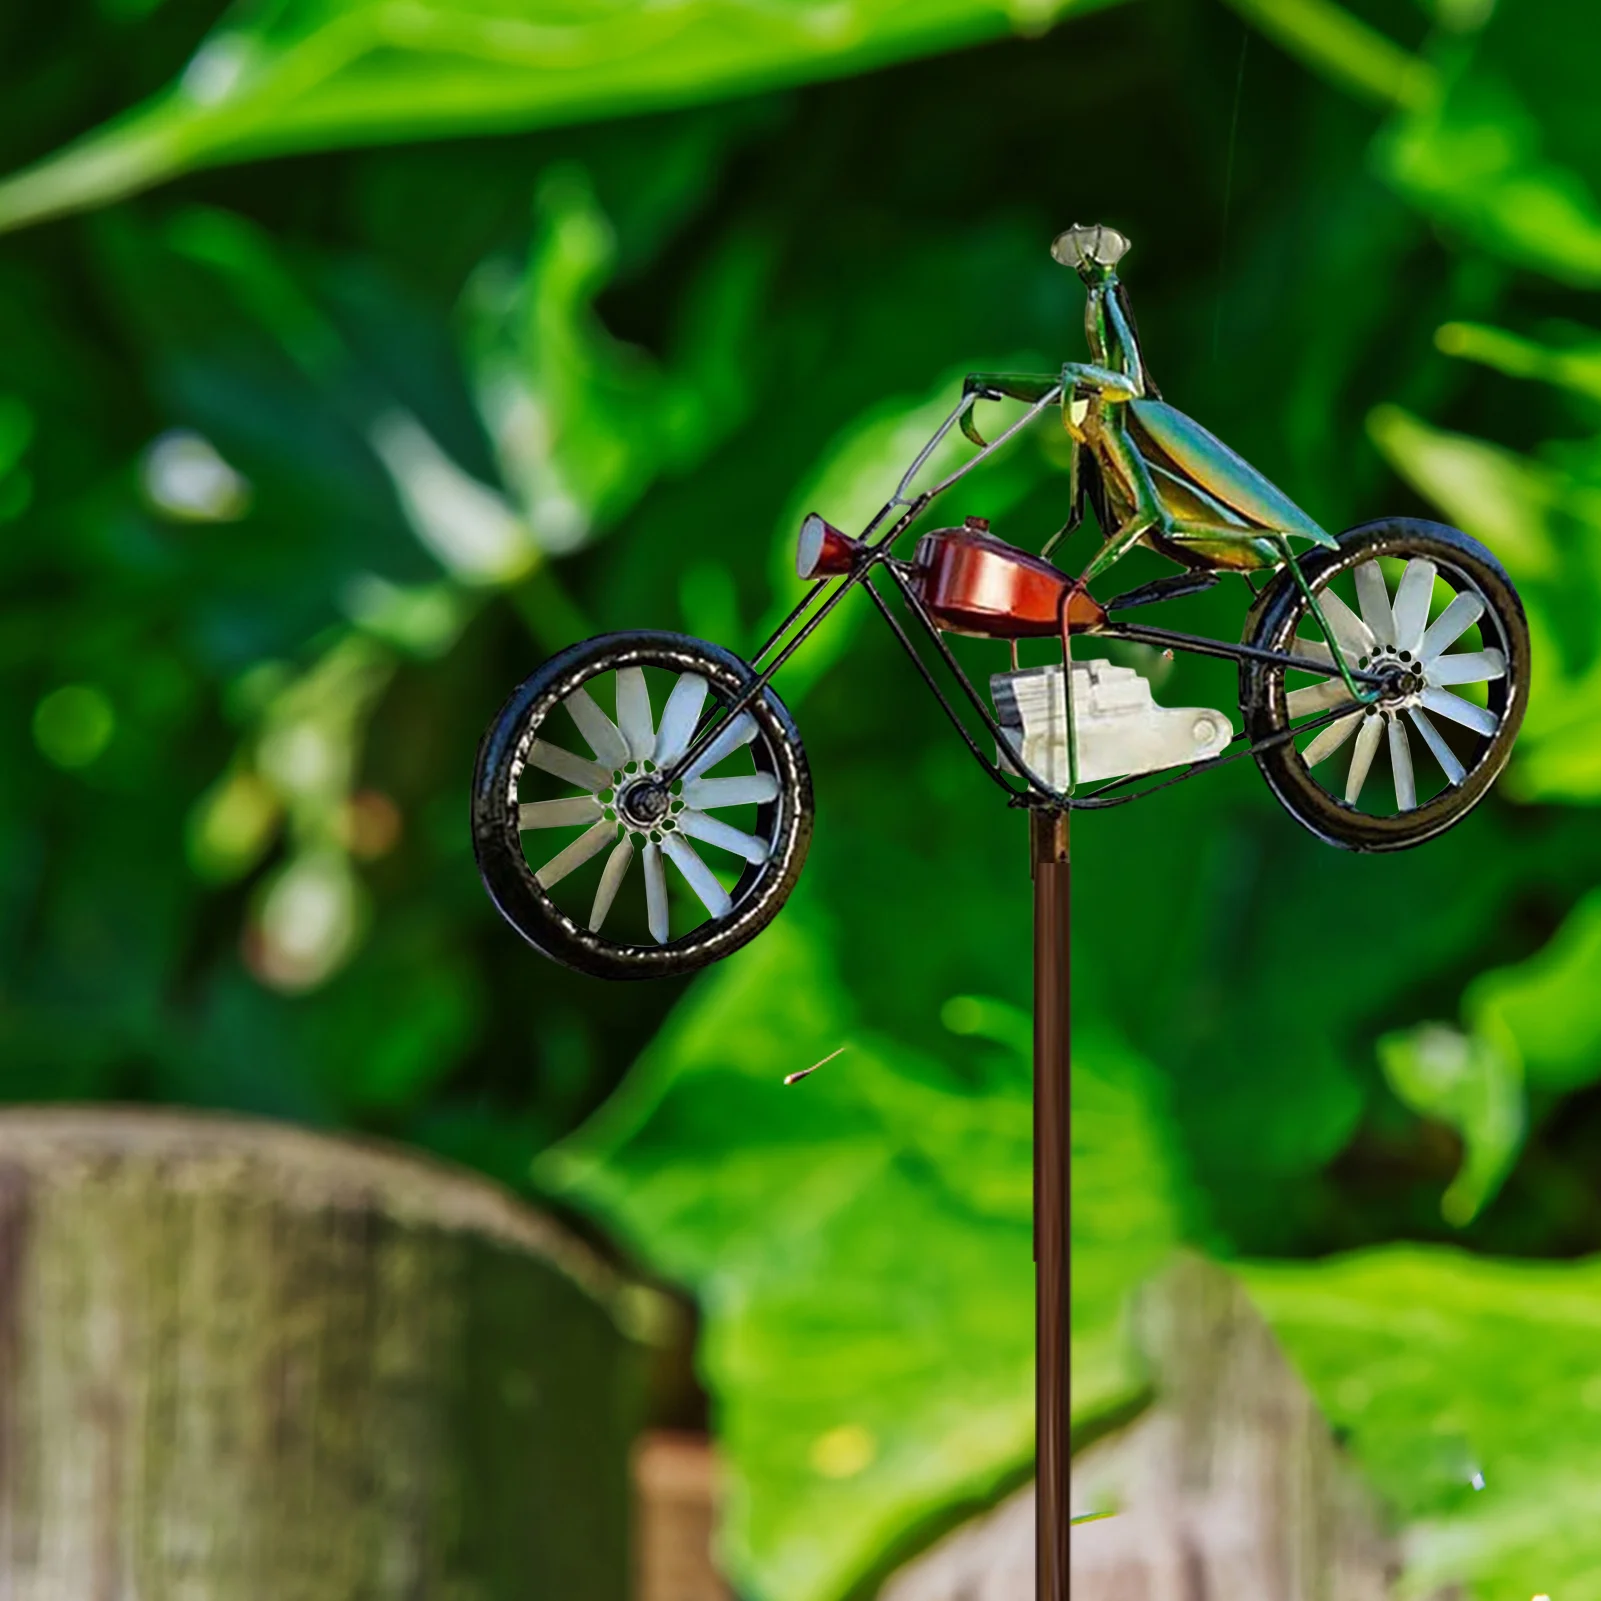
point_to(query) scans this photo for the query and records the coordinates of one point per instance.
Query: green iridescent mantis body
(1163, 479)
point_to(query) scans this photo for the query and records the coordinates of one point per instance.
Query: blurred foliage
(860, 1245)
(304, 463)
(1494, 1468)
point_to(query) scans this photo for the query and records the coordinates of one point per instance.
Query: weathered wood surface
(676, 1485)
(242, 1361)
(1228, 1487)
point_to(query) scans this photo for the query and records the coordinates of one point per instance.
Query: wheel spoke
(745, 789)
(1446, 629)
(655, 892)
(1443, 754)
(697, 874)
(1312, 650)
(1406, 788)
(611, 878)
(634, 714)
(1330, 739)
(1374, 598)
(679, 717)
(1479, 718)
(577, 770)
(589, 843)
(741, 731)
(559, 813)
(1471, 667)
(596, 727)
(1317, 697)
(1367, 743)
(1412, 597)
(1351, 634)
(699, 826)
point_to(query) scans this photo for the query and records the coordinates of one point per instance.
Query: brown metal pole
(1048, 832)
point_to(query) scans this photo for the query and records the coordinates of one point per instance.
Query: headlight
(822, 551)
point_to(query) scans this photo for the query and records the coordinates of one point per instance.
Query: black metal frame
(1037, 792)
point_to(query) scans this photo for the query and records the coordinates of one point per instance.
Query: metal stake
(1048, 839)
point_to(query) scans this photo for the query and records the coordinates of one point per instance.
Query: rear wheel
(1433, 611)
(599, 857)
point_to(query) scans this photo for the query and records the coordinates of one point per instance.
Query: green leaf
(1549, 1007)
(1471, 1085)
(860, 1244)
(1342, 48)
(583, 423)
(320, 74)
(1505, 500)
(1473, 158)
(1577, 368)
(1450, 1371)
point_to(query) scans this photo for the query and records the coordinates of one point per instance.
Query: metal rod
(1052, 1046)
(795, 611)
(1140, 634)
(876, 553)
(991, 768)
(1048, 399)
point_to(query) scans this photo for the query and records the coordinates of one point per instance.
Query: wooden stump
(1228, 1486)
(242, 1361)
(675, 1519)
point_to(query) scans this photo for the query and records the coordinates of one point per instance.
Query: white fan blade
(1446, 629)
(655, 892)
(1351, 634)
(741, 731)
(1471, 667)
(596, 727)
(1317, 697)
(1444, 704)
(588, 844)
(697, 874)
(1406, 788)
(611, 878)
(633, 713)
(1330, 739)
(679, 717)
(1374, 598)
(577, 770)
(1367, 743)
(1413, 596)
(558, 813)
(1443, 754)
(699, 826)
(744, 789)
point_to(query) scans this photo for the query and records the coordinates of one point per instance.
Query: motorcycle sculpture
(1352, 644)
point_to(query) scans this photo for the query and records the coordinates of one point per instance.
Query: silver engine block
(1121, 731)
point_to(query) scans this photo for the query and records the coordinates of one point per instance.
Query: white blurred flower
(471, 528)
(307, 922)
(184, 476)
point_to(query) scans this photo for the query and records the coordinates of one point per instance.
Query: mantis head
(1092, 249)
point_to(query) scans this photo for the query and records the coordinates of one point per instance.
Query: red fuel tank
(973, 583)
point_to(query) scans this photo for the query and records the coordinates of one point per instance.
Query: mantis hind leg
(1224, 544)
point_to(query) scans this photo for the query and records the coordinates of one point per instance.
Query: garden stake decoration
(1351, 646)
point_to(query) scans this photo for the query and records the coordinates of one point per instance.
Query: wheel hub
(1405, 678)
(644, 803)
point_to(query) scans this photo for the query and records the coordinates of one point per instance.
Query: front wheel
(595, 859)
(1434, 612)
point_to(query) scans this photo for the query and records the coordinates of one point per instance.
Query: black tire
(783, 822)
(1275, 621)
